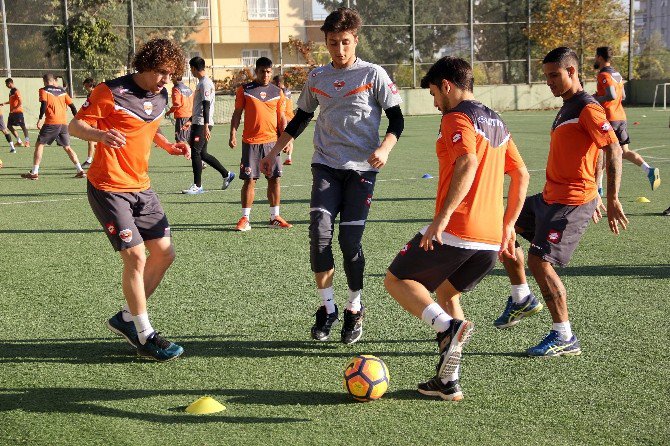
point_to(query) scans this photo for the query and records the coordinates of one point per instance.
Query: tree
(653, 61)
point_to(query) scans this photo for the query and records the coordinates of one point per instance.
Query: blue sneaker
(159, 348)
(552, 345)
(229, 179)
(654, 176)
(515, 312)
(127, 330)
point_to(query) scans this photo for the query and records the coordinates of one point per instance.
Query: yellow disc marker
(205, 405)
(643, 200)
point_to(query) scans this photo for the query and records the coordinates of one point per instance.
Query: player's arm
(43, 110)
(73, 109)
(177, 148)
(606, 86)
(206, 110)
(396, 125)
(516, 195)
(176, 101)
(234, 125)
(615, 214)
(610, 94)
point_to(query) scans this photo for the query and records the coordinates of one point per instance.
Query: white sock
(288, 157)
(11, 144)
(436, 317)
(143, 327)
(519, 292)
(563, 329)
(19, 140)
(36, 169)
(78, 166)
(126, 314)
(328, 298)
(354, 302)
(246, 212)
(600, 181)
(274, 211)
(89, 159)
(454, 376)
(646, 167)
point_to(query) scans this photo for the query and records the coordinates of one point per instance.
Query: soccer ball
(366, 378)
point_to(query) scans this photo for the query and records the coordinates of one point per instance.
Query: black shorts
(463, 268)
(128, 218)
(554, 230)
(181, 134)
(252, 154)
(54, 132)
(16, 119)
(621, 131)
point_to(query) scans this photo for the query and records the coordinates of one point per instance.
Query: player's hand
(378, 158)
(266, 165)
(232, 142)
(208, 134)
(507, 246)
(615, 215)
(288, 149)
(114, 139)
(181, 148)
(598, 213)
(434, 231)
(39, 125)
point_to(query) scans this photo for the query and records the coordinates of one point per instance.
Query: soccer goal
(665, 95)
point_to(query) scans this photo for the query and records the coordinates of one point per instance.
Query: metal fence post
(68, 55)
(8, 66)
(472, 34)
(413, 44)
(528, 61)
(281, 53)
(631, 31)
(211, 34)
(131, 17)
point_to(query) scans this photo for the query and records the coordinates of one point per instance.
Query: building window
(263, 9)
(201, 9)
(249, 56)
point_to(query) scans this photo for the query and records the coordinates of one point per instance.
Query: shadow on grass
(637, 271)
(97, 401)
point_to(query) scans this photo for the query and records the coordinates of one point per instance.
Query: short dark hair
(197, 62)
(341, 20)
(263, 62)
(88, 81)
(159, 53)
(563, 56)
(454, 69)
(605, 52)
(9, 80)
(48, 77)
(177, 78)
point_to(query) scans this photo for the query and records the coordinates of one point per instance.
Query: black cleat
(451, 391)
(323, 324)
(451, 342)
(352, 329)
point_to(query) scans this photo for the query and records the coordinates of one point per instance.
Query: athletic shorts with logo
(54, 132)
(180, 133)
(252, 154)
(554, 230)
(463, 268)
(16, 119)
(621, 131)
(128, 218)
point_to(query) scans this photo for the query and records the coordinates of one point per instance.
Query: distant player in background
(54, 102)
(262, 104)
(89, 84)
(182, 108)
(610, 93)
(15, 117)
(5, 132)
(280, 82)
(201, 124)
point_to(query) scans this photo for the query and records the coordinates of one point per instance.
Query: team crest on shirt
(247, 170)
(394, 88)
(456, 136)
(126, 235)
(263, 95)
(604, 81)
(405, 248)
(208, 93)
(339, 85)
(85, 104)
(148, 107)
(110, 228)
(554, 236)
(196, 139)
(605, 127)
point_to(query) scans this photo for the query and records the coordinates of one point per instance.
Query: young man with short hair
(263, 105)
(470, 228)
(555, 220)
(351, 95)
(15, 117)
(123, 116)
(201, 124)
(54, 100)
(610, 93)
(182, 107)
(89, 84)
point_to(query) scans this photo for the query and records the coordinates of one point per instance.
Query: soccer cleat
(193, 190)
(323, 324)
(451, 391)
(30, 176)
(204, 165)
(85, 165)
(12, 150)
(352, 328)
(654, 177)
(80, 174)
(279, 223)
(666, 212)
(26, 144)
(600, 191)
(553, 345)
(514, 312)
(287, 162)
(127, 330)
(159, 348)
(243, 225)
(226, 181)
(451, 343)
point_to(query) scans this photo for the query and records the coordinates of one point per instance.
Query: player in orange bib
(610, 93)
(470, 229)
(54, 101)
(15, 117)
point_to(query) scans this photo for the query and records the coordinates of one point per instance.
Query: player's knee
(134, 258)
(350, 243)
(320, 228)
(537, 265)
(390, 280)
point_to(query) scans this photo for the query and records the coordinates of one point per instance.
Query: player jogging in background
(280, 81)
(123, 116)
(89, 84)
(470, 228)
(5, 132)
(15, 117)
(182, 108)
(555, 220)
(263, 104)
(351, 95)
(201, 124)
(610, 93)
(54, 101)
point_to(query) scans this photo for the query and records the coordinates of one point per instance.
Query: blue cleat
(127, 330)
(159, 348)
(553, 345)
(515, 312)
(226, 181)
(654, 176)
